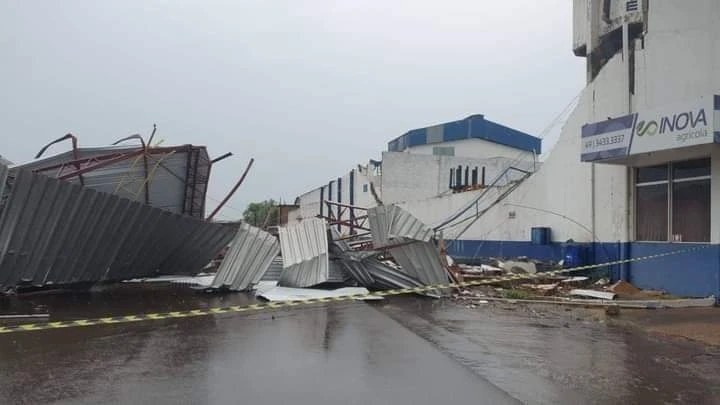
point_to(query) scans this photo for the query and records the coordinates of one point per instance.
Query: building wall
(593, 203)
(310, 206)
(410, 177)
(473, 148)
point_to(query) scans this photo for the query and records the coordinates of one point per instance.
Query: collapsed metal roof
(250, 255)
(173, 178)
(366, 269)
(54, 232)
(409, 241)
(305, 253)
(390, 223)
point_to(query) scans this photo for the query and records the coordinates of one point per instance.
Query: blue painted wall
(692, 274)
(688, 274)
(475, 126)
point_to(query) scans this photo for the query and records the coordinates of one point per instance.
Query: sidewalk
(698, 324)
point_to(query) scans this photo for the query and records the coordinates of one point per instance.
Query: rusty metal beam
(232, 191)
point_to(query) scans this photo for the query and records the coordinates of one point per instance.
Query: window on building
(444, 150)
(673, 202)
(365, 188)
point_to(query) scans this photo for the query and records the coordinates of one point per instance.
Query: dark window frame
(669, 181)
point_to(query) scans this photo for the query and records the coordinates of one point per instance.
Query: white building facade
(634, 172)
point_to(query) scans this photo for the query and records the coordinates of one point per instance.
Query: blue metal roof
(474, 126)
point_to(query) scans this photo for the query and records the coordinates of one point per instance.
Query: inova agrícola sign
(672, 127)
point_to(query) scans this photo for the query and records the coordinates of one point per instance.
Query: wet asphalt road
(351, 354)
(405, 350)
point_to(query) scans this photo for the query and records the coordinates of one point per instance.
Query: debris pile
(400, 254)
(566, 290)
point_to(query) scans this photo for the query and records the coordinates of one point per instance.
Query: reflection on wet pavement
(556, 356)
(333, 354)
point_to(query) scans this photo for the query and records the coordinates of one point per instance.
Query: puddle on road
(544, 355)
(345, 353)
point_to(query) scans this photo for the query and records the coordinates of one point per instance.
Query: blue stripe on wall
(605, 154)
(475, 126)
(693, 274)
(416, 137)
(603, 127)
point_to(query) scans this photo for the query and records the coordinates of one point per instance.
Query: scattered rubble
(579, 280)
(519, 267)
(624, 288)
(594, 294)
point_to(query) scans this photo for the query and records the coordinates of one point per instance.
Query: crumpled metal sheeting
(417, 256)
(249, 257)
(372, 273)
(390, 223)
(56, 232)
(358, 271)
(3, 178)
(304, 248)
(422, 261)
(337, 272)
(199, 247)
(386, 277)
(274, 270)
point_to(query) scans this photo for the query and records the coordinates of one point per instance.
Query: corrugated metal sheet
(390, 223)
(249, 257)
(56, 232)
(3, 179)
(418, 257)
(337, 273)
(421, 260)
(387, 277)
(359, 272)
(305, 253)
(274, 271)
(178, 180)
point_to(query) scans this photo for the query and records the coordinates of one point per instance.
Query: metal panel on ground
(274, 271)
(53, 232)
(249, 257)
(337, 272)
(305, 253)
(422, 261)
(387, 277)
(417, 256)
(389, 223)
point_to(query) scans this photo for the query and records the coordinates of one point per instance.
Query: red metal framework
(195, 181)
(354, 222)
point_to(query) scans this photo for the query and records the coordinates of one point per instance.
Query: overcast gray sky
(309, 88)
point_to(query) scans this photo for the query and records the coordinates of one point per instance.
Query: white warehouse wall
(409, 177)
(473, 148)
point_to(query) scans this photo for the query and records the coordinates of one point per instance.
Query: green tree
(261, 214)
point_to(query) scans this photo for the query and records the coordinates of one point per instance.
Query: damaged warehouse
(91, 216)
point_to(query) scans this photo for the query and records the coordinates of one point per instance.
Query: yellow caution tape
(114, 320)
